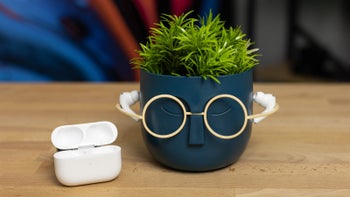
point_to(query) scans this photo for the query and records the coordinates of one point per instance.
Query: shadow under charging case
(85, 155)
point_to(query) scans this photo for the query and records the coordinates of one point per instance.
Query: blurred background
(94, 40)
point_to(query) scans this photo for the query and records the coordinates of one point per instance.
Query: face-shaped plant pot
(193, 124)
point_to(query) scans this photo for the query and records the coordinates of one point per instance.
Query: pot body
(194, 148)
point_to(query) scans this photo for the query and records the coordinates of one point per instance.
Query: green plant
(185, 46)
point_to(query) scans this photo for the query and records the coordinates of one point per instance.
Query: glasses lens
(164, 116)
(225, 116)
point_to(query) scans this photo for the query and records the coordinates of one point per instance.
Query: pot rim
(194, 77)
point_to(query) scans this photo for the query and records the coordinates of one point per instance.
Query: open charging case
(85, 155)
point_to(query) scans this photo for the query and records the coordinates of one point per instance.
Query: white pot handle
(126, 99)
(268, 101)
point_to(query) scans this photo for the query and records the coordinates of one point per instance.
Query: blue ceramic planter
(194, 147)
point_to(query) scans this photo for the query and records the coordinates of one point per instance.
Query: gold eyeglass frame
(204, 114)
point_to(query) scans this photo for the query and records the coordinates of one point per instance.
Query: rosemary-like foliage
(184, 46)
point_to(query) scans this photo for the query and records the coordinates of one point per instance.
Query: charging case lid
(86, 134)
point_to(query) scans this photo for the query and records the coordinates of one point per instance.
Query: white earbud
(126, 99)
(268, 101)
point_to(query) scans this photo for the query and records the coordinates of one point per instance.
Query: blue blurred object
(15, 73)
(43, 40)
(75, 40)
(210, 5)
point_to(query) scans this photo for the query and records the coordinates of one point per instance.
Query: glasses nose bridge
(194, 113)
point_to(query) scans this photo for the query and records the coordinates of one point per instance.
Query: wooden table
(302, 150)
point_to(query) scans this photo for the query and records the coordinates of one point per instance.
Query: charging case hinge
(86, 146)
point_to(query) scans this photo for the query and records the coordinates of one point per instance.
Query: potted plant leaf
(196, 92)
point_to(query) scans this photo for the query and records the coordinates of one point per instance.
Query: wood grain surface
(302, 150)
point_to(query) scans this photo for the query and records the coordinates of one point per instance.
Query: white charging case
(84, 155)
